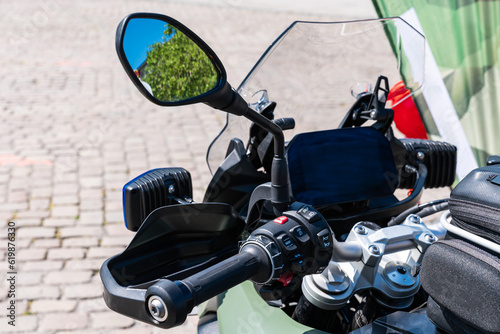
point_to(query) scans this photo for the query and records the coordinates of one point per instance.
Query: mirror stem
(280, 191)
(235, 104)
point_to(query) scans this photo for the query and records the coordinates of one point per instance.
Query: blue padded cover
(341, 165)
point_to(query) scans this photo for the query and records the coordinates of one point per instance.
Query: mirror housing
(139, 34)
(219, 95)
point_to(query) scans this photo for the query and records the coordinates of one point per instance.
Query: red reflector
(281, 220)
(286, 278)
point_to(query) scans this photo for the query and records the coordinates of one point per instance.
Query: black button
(299, 232)
(308, 214)
(325, 239)
(287, 244)
(298, 266)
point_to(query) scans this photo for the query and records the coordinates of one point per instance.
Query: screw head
(360, 230)
(420, 156)
(414, 219)
(157, 309)
(429, 238)
(171, 189)
(375, 250)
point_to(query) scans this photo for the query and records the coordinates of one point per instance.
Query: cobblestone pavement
(74, 130)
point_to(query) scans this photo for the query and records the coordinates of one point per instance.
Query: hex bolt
(429, 237)
(420, 156)
(374, 250)
(360, 230)
(157, 308)
(374, 114)
(414, 219)
(171, 189)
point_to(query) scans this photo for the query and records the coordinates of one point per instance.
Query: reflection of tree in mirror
(178, 69)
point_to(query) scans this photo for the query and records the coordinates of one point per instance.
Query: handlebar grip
(286, 123)
(169, 302)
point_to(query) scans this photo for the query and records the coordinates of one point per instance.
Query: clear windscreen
(313, 70)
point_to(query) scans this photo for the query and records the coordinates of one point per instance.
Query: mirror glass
(169, 64)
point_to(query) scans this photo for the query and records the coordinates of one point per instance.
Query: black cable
(423, 210)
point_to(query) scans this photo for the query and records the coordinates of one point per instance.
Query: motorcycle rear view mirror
(171, 65)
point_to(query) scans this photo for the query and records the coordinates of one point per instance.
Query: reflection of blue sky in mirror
(139, 36)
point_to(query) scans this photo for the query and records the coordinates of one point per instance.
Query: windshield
(313, 70)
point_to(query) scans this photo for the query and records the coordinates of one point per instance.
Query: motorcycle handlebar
(168, 303)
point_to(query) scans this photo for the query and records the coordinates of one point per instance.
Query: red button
(286, 278)
(281, 220)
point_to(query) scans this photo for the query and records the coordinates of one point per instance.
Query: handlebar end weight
(168, 304)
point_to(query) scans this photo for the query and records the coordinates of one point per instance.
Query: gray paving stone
(82, 291)
(63, 321)
(103, 252)
(41, 265)
(65, 253)
(29, 278)
(59, 222)
(38, 292)
(109, 320)
(36, 232)
(52, 305)
(67, 211)
(92, 231)
(67, 277)
(80, 242)
(24, 323)
(31, 254)
(92, 264)
(47, 243)
(91, 218)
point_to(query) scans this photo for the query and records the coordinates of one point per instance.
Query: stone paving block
(133, 330)
(44, 266)
(52, 306)
(24, 324)
(103, 252)
(110, 320)
(114, 216)
(21, 307)
(117, 229)
(17, 196)
(65, 199)
(65, 253)
(83, 291)
(91, 205)
(67, 211)
(80, 242)
(33, 214)
(91, 218)
(65, 189)
(29, 278)
(47, 243)
(91, 182)
(67, 277)
(92, 194)
(44, 192)
(38, 292)
(121, 241)
(63, 321)
(59, 222)
(23, 222)
(92, 305)
(39, 204)
(31, 254)
(36, 232)
(84, 264)
(92, 231)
